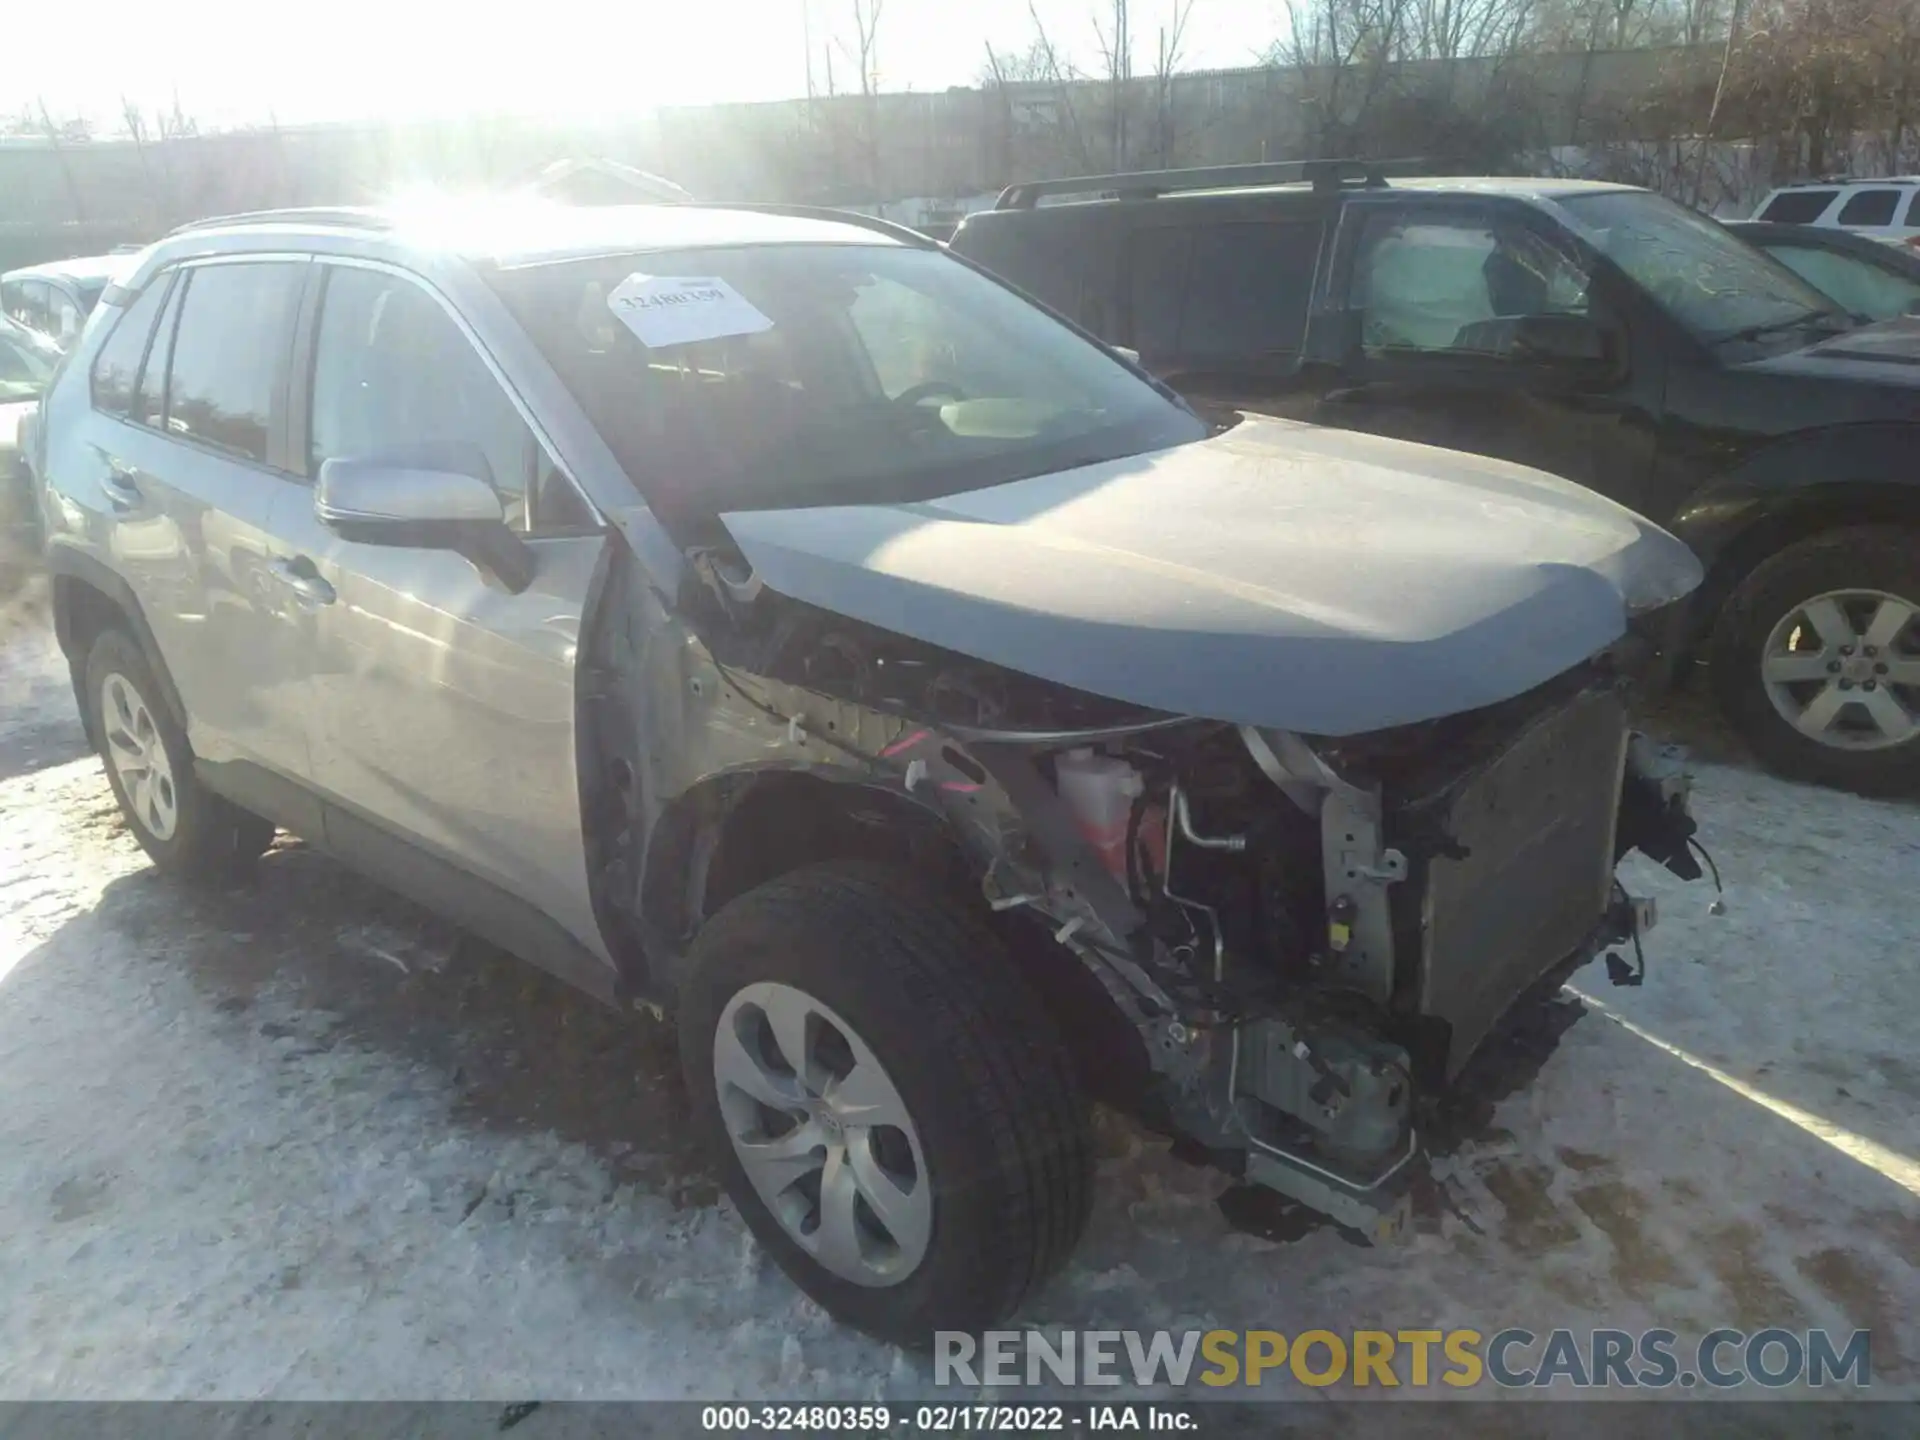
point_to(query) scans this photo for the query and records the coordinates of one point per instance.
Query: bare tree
(1166, 61)
(1345, 51)
(1115, 37)
(56, 134)
(864, 52)
(1045, 85)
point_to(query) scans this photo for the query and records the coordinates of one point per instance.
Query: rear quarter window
(1797, 207)
(1869, 207)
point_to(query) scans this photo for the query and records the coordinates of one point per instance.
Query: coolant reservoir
(1100, 790)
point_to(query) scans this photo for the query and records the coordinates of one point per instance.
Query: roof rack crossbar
(1150, 184)
(345, 216)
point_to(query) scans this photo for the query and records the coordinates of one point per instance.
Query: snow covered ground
(296, 1141)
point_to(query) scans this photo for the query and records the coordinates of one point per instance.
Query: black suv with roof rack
(1597, 331)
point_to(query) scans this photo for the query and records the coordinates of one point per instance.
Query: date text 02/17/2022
(940, 1419)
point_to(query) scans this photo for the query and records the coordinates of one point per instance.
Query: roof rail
(1852, 180)
(1150, 184)
(906, 234)
(344, 216)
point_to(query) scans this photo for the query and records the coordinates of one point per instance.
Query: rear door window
(116, 370)
(1798, 207)
(1248, 287)
(1913, 211)
(1869, 207)
(230, 353)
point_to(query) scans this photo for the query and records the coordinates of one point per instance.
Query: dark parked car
(1596, 331)
(1866, 277)
(56, 298)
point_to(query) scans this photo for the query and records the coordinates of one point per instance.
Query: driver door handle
(299, 576)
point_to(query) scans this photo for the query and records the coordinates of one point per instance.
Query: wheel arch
(88, 598)
(1769, 503)
(734, 831)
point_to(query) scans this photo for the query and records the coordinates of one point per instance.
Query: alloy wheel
(1844, 669)
(139, 757)
(823, 1134)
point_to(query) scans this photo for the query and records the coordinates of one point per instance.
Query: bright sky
(237, 61)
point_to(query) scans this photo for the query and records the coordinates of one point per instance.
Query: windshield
(26, 364)
(1707, 278)
(828, 374)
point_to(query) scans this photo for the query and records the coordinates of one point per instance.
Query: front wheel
(888, 1103)
(1816, 660)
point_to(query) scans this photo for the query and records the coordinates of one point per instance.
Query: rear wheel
(183, 826)
(1817, 660)
(886, 1098)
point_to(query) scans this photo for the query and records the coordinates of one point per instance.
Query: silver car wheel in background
(1844, 669)
(823, 1134)
(138, 756)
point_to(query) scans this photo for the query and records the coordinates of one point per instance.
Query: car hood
(1886, 353)
(1278, 574)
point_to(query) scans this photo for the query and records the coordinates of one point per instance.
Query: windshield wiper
(1835, 320)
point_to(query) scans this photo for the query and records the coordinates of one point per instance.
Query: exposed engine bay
(1303, 937)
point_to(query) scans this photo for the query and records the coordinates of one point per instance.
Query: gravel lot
(298, 1141)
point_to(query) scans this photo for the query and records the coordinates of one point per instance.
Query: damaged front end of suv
(1282, 805)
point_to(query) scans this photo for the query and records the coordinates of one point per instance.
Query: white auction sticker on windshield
(683, 309)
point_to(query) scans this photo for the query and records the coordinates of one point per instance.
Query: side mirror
(1572, 341)
(388, 502)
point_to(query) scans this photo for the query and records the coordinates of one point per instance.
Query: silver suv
(770, 616)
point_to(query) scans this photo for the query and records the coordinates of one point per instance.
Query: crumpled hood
(1279, 574)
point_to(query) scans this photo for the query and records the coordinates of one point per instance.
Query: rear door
(1220, 308)
(443, 704)
(187, 450)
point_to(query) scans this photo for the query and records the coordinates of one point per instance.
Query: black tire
(1882, 558)
(973, 1054)
(211, 838)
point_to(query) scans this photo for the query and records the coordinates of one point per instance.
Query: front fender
(1788, 492)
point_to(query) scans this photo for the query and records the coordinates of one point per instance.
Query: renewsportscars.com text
(1460, 1359)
